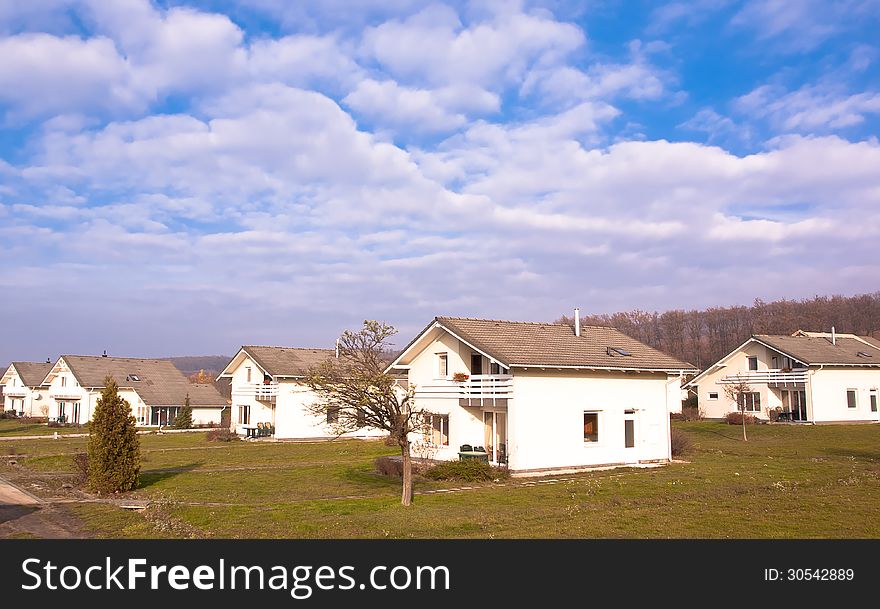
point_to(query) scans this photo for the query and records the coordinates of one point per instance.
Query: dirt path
(25, 515)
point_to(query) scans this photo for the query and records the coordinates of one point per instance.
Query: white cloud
(419, 110)
(44, 74)
(808, 109)
(433, 47)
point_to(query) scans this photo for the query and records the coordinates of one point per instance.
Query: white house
(267, 388)
(155, 389)
(542, 396)
(23, 390)
(810, 376)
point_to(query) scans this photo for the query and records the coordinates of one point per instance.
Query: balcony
(15, 392)
(477, 390)
(66, 393)
(264, 392)
(775, 377)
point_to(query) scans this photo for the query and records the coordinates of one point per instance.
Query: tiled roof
(287, 361)
(819, 349)
(159, 382)
(32, 373)
(547, 344)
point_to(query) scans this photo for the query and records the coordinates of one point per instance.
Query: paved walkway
(85, 435)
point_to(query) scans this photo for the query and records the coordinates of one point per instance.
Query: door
(476, 363)
(799, 405)
(495, 435)
(630, 436)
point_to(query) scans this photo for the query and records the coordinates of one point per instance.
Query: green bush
(221, 435)
(470, 470)
(114, 451)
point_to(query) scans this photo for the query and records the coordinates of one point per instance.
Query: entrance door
(799, 405)
(630, 436)
(495, 434)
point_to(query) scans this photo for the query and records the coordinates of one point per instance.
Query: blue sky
(183, 178)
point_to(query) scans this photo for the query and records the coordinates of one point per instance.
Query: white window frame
(750, 407)
(855, 393)
(873, 400)
(428, 431)
(244, 409)
(713, 393)
(247, 374)
(749, 359)
(443, 364)
(598, 439)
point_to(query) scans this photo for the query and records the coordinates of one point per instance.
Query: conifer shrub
(184, 418)
(114, 460)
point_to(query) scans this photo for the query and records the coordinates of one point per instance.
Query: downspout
(812, 410)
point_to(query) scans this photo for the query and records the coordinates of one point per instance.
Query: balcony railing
(66, 394)
(264, 392)
(16, 392)
(769, 377)
(477, 386)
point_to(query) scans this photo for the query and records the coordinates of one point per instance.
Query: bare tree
(736, 392)
(355, 391)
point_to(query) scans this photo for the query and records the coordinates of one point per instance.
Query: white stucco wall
(738, 362)
(829, 386)
(287, 413)
(30, 403)
(547, 413)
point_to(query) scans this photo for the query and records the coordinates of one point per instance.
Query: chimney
(833, 336)
(577, 322)
(104, 354)
(337, 348)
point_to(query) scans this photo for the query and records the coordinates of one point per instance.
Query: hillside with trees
(702, 337)
(194, 364)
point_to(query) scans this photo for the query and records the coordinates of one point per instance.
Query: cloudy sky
(182, 178)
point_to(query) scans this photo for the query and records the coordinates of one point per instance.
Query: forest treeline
(702, 337)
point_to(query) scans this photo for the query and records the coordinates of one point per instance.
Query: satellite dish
(38, 397)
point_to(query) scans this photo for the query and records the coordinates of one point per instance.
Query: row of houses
(537, 397)
(67, 390)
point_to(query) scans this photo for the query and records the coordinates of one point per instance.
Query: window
(713, 395)
(361, 418)
(244, 415)
(591, 427)
(753, 363)
(618, 351)
(248, 371)
(64, 381)
(332, 414)
(61, 406)
(495, 368)
(436, 429)
(74, 418)
(864, 354)
(476, 363)
(851, 401)
(873, 398)
(443, 364)
(775, 362)
(133, 377)
(750, 402)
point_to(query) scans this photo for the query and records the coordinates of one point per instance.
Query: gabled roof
(812, 349)
(815, 349)
(524, 344)
(158, 382)
(31, 373)
(280, 361)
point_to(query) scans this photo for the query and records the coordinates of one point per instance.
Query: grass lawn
(787, 481)
(16, 427)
